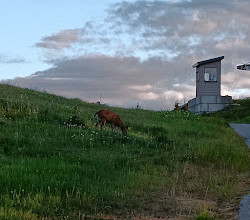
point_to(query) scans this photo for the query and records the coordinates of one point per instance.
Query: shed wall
(208, 88)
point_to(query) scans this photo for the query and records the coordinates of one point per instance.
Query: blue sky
(24, 23)
(128, 52)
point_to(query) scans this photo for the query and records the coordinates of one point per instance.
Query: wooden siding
(208, 88)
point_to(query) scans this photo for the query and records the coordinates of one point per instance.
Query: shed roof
(245, 66)
(208, 61)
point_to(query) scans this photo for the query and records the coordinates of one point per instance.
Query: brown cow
(105, 116)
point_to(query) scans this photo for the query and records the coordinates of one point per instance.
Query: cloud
(161, 28)
(144, 51)
(148, 96)
(118, 80)
(190, 27)
(64, 39)
(140, 87)
(10, 60)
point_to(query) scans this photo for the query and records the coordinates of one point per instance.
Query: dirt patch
(109, 217)
(178, 208)
(100, 217)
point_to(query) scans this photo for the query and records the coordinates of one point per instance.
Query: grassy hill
(56, 165)
(239, 112)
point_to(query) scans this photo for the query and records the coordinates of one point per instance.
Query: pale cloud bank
(118, 80)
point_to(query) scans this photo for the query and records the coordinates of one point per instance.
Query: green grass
(239, 112)
(204, 216)
(55, 164)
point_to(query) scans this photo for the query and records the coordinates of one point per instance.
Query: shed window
(210, 75)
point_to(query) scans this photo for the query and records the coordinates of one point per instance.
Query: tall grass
(239, 112)
(56, 164)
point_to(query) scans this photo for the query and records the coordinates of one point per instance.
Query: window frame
(210, 74)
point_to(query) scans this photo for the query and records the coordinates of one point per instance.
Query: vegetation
(56, 165)
(239, 112)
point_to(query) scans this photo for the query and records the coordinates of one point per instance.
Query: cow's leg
(112, 127)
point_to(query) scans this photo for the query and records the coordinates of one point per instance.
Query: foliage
(55, 164)
(204, 216)
(239, 112)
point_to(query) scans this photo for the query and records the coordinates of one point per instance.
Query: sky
(123, 53)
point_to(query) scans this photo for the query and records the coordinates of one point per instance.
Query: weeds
(55, 164)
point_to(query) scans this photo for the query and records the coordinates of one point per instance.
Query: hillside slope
(55, 164)
(239, 112)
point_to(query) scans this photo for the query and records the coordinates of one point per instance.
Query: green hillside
(239, 112)
(56, 165)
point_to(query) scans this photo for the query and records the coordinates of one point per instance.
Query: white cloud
(140, 87)
(174, 95)
(241, 93)
(147, 96)
(11, 59)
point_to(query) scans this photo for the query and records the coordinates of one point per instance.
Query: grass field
(239, 112)
(56, 165)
